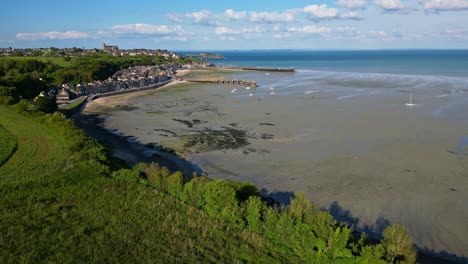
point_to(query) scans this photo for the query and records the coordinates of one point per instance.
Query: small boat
(251, 94)
(410, 103)
(248, 87)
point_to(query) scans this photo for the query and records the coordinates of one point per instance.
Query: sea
(407, 62)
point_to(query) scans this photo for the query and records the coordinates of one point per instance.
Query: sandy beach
(359, 153)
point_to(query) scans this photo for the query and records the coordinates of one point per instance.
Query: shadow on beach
(375, 230)
(131, 150)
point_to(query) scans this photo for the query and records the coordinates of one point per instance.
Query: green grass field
(37, 152)
(55, 60)
(7, 145)
(57, 210)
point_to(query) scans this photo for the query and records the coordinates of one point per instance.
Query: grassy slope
(37, 151)
(7, 145)
(55, 60)
(56, 211)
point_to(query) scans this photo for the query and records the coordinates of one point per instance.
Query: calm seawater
(412, 62)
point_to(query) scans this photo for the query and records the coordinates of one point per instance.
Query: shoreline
(122, 98)
(425, 254)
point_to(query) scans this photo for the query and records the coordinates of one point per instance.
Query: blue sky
(221, 25)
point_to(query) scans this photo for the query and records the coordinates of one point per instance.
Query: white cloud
(444, 5)
(230, 31)
(175, 38)
(52, 35)
(204, 18)
(454, 33)
(141, 29)
(227, 38)
(233, 15)
(353, 4)
(323, 12)
(352, 16)
(318, 12)
(310, 29)
(392, 6)
(226, 31)
(387, 36)
(273, 17)
(313, 29)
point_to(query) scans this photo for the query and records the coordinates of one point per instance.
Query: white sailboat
(410, 103)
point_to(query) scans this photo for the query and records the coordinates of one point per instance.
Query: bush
(126, 175)
(175, 184)
(244, 190)
(158, 178)
(45, 104)
(220, 201)
(254, 207)
(194, 191)
(398, 245)
(7, 100)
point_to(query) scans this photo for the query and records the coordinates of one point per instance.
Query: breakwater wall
(244, 82)
(266, 69)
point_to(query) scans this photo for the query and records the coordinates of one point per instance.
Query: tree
(221, 201)
(127, 175)
(254, 208)
(300, 209)
(175, 184)
(398, 245)
(45, 104)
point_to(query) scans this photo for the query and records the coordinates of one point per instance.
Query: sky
(236, 25)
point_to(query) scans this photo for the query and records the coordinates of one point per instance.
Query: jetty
(222, 81)
(266, 69)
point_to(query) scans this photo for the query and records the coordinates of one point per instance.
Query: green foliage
(194, 190)
(127, 175)
(7, 91)
(254, 208)
(398, 245)
(175, 184)
(158, 178)
(7, 100)
(220, 201)
(301, 210)
(45, 104)
(244, 190)
(337, 243)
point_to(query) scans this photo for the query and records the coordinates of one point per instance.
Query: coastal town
(136, 77)
(130, 78)
(77, 52)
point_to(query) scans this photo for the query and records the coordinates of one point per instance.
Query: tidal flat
(348, 141)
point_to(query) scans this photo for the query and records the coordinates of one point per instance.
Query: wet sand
(350, 147)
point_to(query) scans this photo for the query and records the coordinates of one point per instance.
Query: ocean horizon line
(364, 49)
